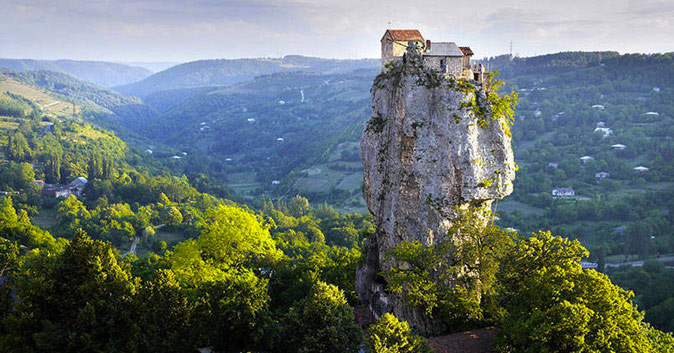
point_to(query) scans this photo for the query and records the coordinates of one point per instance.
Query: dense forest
(157, 254)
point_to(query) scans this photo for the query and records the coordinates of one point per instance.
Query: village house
(563, 193)
(601, 124)
(589, 265)
(640, 169)
(618, 147)
(445, 57)
(601, 175)
(553, 165)
(76, 187)
(56, 191)
(605, 132)
(585, 159)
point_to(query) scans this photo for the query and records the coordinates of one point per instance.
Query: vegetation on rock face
(488, 105)
(453, 279)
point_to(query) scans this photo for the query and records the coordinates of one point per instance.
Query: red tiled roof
(466, 51)
(404, 34)
(474, 341)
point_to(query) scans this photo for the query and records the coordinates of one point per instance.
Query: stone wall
(386, 50)
(391, 49)
(454, 64)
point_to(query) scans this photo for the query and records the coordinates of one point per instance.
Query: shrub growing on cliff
(489, 105)
(389, 335)
(451, 279)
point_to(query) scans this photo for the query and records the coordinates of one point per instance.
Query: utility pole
(511, 48)
(74, 111)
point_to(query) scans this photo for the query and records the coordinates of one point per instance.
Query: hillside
(319, 156)
(102, 101)
(617, 113)
(42, 98)
(101, 73)
(297, 128)
(227, 72)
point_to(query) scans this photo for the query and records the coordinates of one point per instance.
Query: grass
(241, 178)
(41, 98)
(46, 219)
(511, 206)
(313, 185)
(344, 146)
(90, 133)
(169, 237)
(8, 125)
(351, 182)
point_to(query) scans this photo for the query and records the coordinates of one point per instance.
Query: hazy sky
(184, 30)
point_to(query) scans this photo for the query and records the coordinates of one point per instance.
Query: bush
(322, 323)
(389, 335)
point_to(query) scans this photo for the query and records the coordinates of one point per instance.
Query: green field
(511, 206)
(50, 105)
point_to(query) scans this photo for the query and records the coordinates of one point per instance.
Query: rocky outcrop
(431, 146)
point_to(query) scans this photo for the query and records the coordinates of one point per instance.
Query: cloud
(137, 30)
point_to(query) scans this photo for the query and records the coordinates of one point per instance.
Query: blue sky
(184, 30)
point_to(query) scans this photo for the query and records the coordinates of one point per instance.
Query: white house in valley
(563, 193)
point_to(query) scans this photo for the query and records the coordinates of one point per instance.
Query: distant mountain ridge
(231, 71)
(102, 73)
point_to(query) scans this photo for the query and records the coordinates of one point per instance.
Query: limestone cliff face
(425, 154)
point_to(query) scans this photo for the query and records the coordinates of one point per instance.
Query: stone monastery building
(445, 57)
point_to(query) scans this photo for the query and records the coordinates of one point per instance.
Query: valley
(171, 144)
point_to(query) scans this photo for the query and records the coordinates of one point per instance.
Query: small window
(442, 62)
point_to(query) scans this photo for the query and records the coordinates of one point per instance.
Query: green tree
(389, 335)
(231, 313)
(52, 168)
(9, 264)
(163, 315)
(234, 236)
(553, 305)
(18, 148)
(321, 323)
(76, 301)
(299, 207)
(173, 216)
